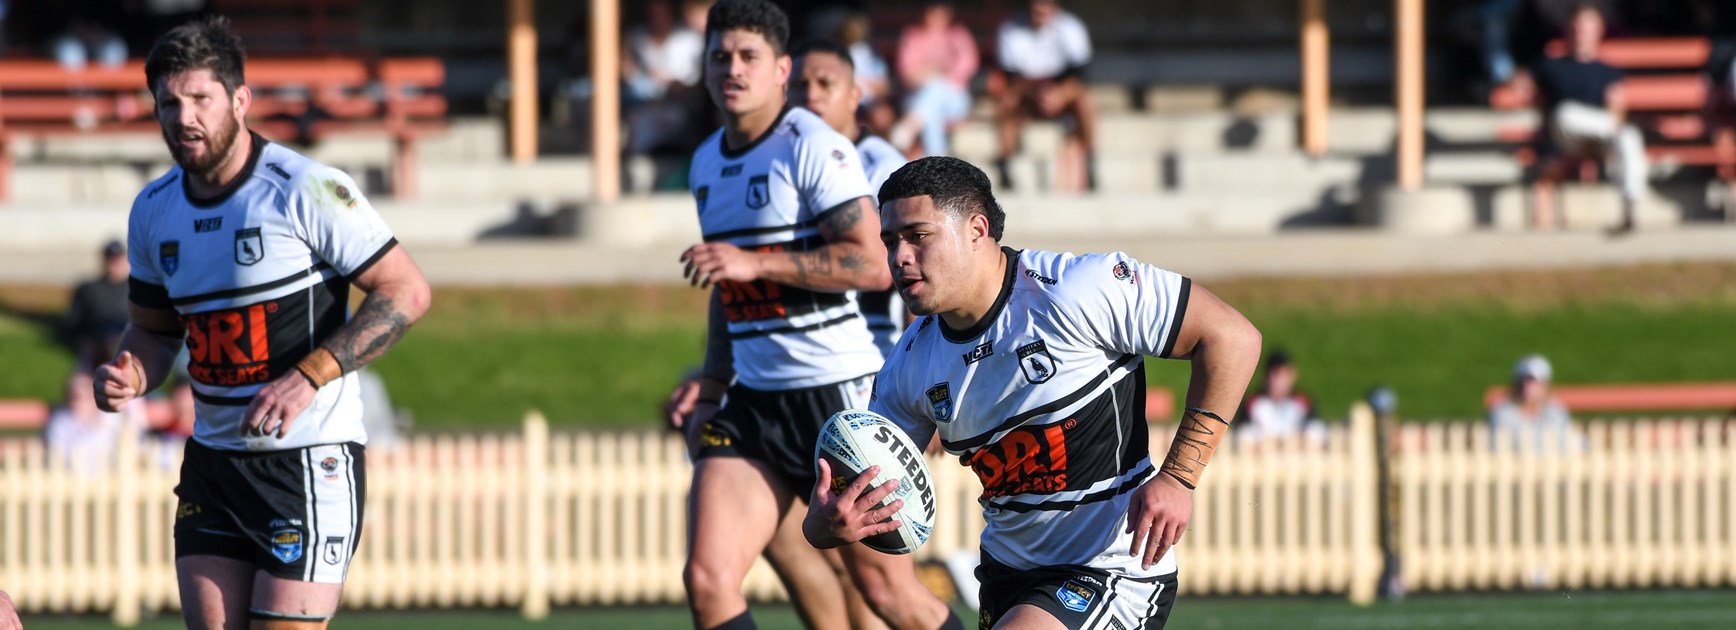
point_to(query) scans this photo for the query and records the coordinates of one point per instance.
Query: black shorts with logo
(296, 514)
(780, 428)
(1083, 598)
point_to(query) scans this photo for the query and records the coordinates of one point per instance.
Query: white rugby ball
(853, 440)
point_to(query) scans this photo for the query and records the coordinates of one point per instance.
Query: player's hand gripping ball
(854, 440)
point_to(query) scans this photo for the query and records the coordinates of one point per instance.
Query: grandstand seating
(300, 99)
(1670, 98)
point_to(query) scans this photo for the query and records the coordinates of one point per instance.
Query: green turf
(1563, 610)
(606, 356)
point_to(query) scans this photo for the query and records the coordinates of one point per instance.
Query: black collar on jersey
(723, 139)
(240, 178)
(994, 313)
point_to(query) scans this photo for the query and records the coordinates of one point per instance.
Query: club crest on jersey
(249, 246)
(334, 550)
(940, 400)
(1036, 362)
(169, 256)
(1075, 596)
(286, 544)
(759, 192)
(700, 195)
(1125, 273)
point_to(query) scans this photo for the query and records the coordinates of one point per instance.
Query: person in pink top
(936, 60)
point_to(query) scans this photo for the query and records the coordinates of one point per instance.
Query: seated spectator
(1585, 107)
(1043, 54)
(1532, 419)
(871, 74)
(98, 313)
(82, 438)
(659, 68)
(1279, 411)
(936, 60)
(91, 33)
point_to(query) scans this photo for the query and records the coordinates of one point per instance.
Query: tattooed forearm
(376, 325)
(842, 220)
(811, 264)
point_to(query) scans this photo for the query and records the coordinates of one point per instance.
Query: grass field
(1666, 610)
(605, 356)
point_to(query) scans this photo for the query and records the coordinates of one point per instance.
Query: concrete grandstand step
(1373, 130)
(1238, 171)
(1143, 134)
(547, 178)
(466, 140)
(57, 185)
(1484, 167)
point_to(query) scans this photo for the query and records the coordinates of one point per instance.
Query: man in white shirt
(1043, 54)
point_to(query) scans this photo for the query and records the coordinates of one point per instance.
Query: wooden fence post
(126, 530)
(535, 495)
(1364, 507)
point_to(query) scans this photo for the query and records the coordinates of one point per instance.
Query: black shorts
(295, 514)
(780, 428)
(1081, 597)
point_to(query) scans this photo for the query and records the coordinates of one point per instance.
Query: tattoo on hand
(376, 325)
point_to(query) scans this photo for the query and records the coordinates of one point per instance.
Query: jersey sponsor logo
(286, 540)
(940, 401)
(185, 508)
(730, 171)
(169, 256)
(273, 167)
(1125, 273)
(334, 550)
(1115, 624)
(1032, 274)
(983, 351)
(759, 192)
(1026, 460)
(700, 195)
(249, 246)
(343, 193)
(756, 300)
(207, 225)
(912, 463)
(230, 347)
(1036, 362)
(329, 465)
(1075, 596)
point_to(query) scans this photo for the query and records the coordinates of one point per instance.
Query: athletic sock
(743, 621)
(952, 621)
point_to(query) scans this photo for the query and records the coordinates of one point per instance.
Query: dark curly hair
(754, 16)
(203, 44)
(956, 186)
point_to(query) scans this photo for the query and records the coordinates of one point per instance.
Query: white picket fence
(539, 519)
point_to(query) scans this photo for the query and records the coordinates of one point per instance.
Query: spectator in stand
(1279, 411)
(1043, 54)
(1532, 419)
(659, 67)
(871, 74)
(936, 59)
(81, 437)
(90, 32)
(1586, 108)
(98, 313)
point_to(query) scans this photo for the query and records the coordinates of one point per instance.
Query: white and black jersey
(260, 276)
(771, 196)
(1045, 401)
(884, 310)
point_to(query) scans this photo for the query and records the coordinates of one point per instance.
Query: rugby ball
(853, 440)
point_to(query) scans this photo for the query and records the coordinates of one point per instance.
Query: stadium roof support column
(1409, 96)
(521, 72)
(606, 98)
(1316, 85)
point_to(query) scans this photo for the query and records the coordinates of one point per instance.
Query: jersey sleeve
(145, 284)
(1124, 305)
(892, 404)
(829, 172)
(338, 223)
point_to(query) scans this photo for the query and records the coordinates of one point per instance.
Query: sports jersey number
(229, 347)
(1026, 460)
(753, 301)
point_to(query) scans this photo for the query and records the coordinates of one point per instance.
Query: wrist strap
(320, 367)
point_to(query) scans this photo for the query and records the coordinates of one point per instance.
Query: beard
(219, 142)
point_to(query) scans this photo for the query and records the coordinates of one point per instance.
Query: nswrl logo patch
(286, 544)
(1075, 596)
(940, 401)
(169, 256)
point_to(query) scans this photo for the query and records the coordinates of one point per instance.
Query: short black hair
(754, 16)
(828, 46)
(956, 186)
(202, 44)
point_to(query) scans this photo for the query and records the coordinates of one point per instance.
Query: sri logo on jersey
(1075, 596)
(249, 246)
(169, 256)
(759, 192)
(940, 401)
(334, 550)
(1125, 273)
(286, 544)
(1026, 460)
(700, 195)
(1036, 362)
(230, 347)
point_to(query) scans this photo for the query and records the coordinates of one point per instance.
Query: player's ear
(979, 231)
(242, 101)
(785, 62)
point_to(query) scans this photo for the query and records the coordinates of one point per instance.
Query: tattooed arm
(853, 257)
(397, 296)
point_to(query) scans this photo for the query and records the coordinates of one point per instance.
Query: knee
(705, 582)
